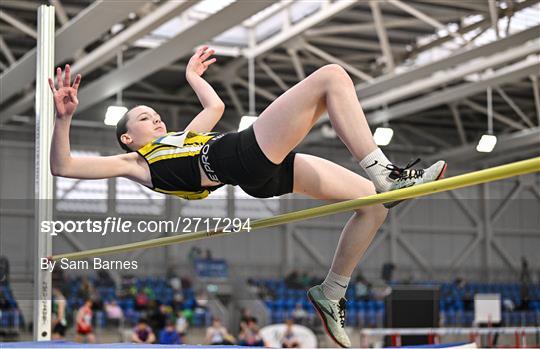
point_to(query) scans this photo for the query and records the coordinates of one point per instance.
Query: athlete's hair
(121, 128)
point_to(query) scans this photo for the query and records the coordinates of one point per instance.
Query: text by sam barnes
(94, 263)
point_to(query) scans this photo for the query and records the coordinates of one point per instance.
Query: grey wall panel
(17, 242)
(16, 172)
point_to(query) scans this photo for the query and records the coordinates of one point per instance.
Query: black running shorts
(237, 159)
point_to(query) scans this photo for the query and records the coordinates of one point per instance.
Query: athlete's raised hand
(65, 94)
(199, 62)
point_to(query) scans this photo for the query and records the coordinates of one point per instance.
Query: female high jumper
(192, 163)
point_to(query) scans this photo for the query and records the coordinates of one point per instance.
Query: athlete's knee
(377, 213)
(335, 73)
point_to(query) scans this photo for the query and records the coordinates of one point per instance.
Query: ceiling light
(486, 144)
(383, 135)
(114, 114)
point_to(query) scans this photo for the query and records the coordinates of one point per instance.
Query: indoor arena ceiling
(421, 66)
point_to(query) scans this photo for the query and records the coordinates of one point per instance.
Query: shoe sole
(395, 203)
(319, 311)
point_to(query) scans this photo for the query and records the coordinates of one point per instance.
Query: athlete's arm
(61, 161)
(212, 104)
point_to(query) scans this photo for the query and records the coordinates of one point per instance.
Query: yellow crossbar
(461, 181)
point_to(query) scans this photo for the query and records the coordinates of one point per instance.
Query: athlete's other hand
(65, 96)
(199, 62)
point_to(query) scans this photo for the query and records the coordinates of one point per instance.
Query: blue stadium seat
(351, 317)
(449, 317)
(371, 318)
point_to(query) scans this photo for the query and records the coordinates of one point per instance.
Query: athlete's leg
(323, 179)
(289, 118)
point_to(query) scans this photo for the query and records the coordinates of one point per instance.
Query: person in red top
(84, 323)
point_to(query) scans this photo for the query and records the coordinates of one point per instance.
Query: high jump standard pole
(43, 179)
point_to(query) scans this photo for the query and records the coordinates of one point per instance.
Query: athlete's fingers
(77, 82)
(73, 96)
(207, 63)
(51, 85)
(67, 75)
(201, 50)
(207, 54)
(59, 77)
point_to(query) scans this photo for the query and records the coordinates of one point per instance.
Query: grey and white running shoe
(406, 177)
(332, 315)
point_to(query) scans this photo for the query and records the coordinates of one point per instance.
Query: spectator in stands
(525, 275)
(104, 279)
(178, 302)
(201, 299)
(85, 289)
(381, 291)
(59, 323)
(169, 335)
(188, 314)
(141, 301)
(525, 280)
(194, 254)
(299, 315)
(387, 272)
(289, 339)
(60, 280)
(245, 315)
(508, 304)
(114, 313)
(174, 281)
(182, 324)
(186, 282)
(250, 334)
(4, 271)
(362, 287)
(4, 304)
(97, 302)
(265, 293)
(306, 280)
(217, 334)
(142, 333)
(84, 323)
(128, 288)
(292, 280)
(158, 316)
(149, 291)
(462, 293)
(253, 287)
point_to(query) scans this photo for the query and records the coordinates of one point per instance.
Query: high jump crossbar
(465, 180)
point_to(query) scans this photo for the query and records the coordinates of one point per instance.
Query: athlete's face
(144, 124)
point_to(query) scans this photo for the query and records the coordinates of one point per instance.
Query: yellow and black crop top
(173, 162)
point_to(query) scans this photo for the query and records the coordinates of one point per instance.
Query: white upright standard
(43, 178)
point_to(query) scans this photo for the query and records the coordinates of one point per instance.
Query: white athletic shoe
(332, 315)
(407, 177)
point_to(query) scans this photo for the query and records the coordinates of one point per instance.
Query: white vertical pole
(43, 177)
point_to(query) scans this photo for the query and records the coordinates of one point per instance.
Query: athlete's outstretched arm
(62, 163)
(212, 104)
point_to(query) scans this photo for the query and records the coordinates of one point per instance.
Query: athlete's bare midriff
(141, 173)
